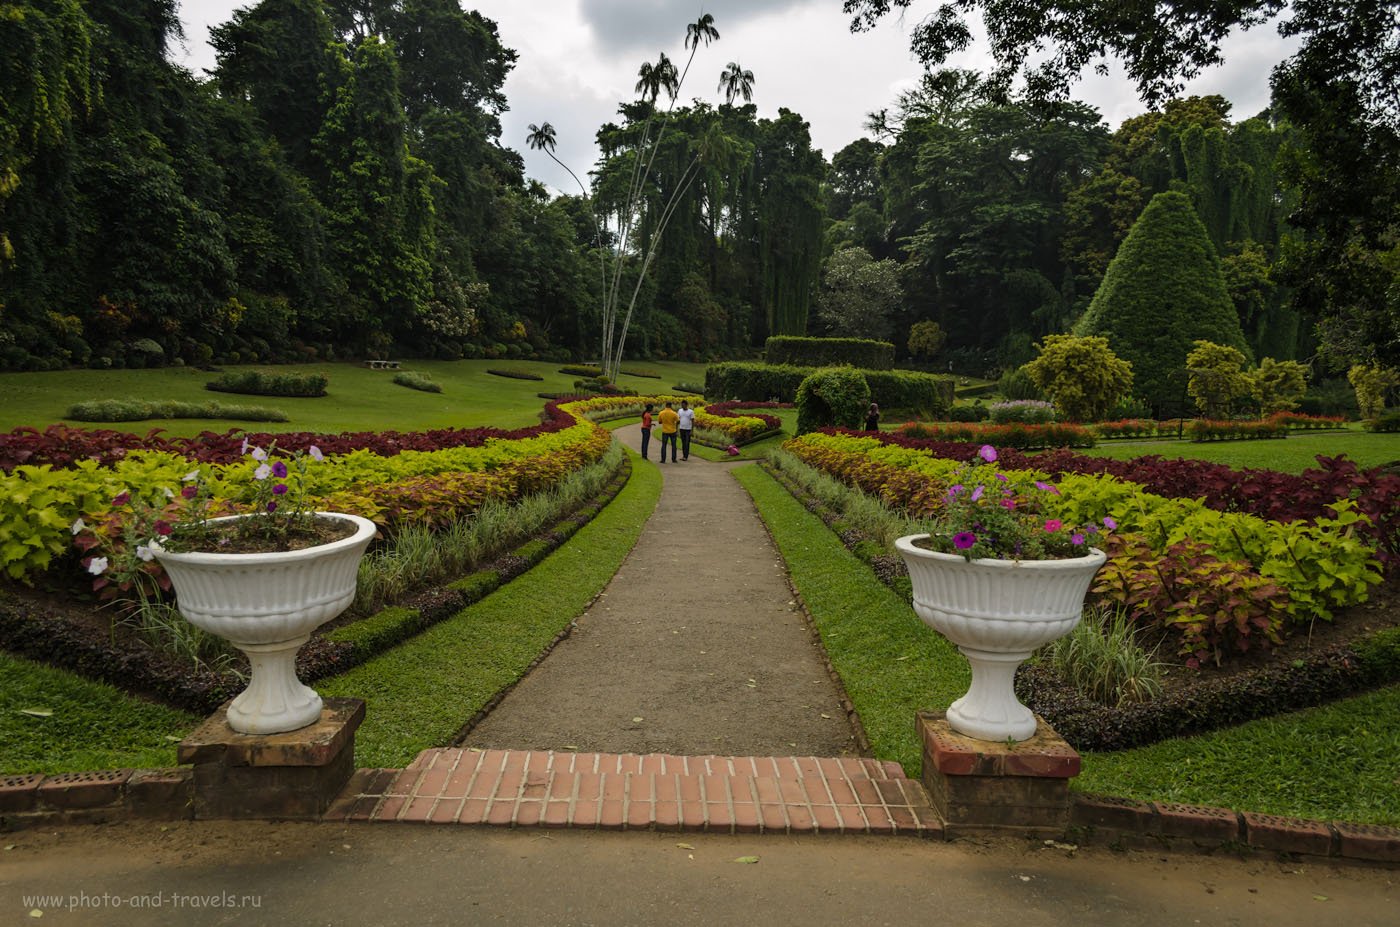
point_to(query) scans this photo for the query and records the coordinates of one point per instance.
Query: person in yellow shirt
(670, 425)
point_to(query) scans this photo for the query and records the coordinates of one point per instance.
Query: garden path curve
(695, 647)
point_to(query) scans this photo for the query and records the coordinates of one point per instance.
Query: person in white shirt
(687, 425)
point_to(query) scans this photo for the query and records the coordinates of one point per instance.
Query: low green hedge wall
(829, 352)
(892, 389)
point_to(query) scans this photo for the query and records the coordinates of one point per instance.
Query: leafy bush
(257, 383)
(690, 388)
(836, 396)
(1126, 428)
(1387, 423)
(1330, 397)
(514, 373)
(1017, 384)
(419, 381)
(581, 370)
(1279, 385)
(1371, 381)
(829, 352)
(1082, 376)
(1025, 411)
(1216, 378)
(973, 412)
(138, 410)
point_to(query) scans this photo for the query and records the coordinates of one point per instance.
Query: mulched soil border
(1323, 675)
(48, 637)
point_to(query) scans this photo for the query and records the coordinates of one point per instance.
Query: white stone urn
(267, 605)
(997, 612)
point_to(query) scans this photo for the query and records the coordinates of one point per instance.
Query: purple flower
(1076, 539)
(977, 493)
(272, 506)
(987, 453)
(280, 489)
(189, 492)
(1046, 487)
(279, 469)
(1003, 477)
(163, 528)
(964, 539)
(1009, 504)
(954, 490)
(1109, 523)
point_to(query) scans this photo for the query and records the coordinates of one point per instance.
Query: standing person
(670, 424)
(872, 418)
(646, 430)
(687, 425)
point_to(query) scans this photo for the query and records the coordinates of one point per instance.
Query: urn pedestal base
(291, 775)
(991, 789)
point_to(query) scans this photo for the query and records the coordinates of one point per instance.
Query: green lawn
(1335, 762)
(359, 399)
(52, 721)
(1292, 454)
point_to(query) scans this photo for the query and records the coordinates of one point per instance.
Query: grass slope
(359, 399)
(420, 693)
(890, 662)
(92, 725)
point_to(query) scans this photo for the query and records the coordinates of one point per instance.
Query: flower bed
(1219, 582)
(1207, 430)
(1014, 434)
(412, 482)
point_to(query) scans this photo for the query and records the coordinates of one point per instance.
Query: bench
(382, 364)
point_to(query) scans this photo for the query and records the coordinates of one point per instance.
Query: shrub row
(638, 372)
(1301, 422)
(514, 373)
(1025, 411)
(419, 381)
(1386, 423)
(1259, 573)
(1207, 430)
(62, 446)
(39, 503)
(257, 383)
(139, 410)
(1207, 705)
(581, 370)
(829, 352)
(1012, 435)
(893, 389)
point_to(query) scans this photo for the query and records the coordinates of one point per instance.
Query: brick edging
(99, 797)
(1105, 819)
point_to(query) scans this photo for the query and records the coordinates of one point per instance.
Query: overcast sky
(578, 60)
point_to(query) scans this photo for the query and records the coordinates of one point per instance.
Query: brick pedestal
(291, 775)
(985, 788)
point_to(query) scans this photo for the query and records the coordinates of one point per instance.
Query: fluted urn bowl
(267, 605)
(997, 612)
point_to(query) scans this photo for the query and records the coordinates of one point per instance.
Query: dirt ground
(695, 647)
(212, 873)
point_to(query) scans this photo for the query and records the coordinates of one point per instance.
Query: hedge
(829, 352)
(257, 383)
(892, 389)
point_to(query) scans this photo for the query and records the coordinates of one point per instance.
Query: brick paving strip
(524, 788)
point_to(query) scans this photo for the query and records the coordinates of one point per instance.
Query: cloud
(649, 26)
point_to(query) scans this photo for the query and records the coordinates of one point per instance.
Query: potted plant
(263, 579)
(998, 578)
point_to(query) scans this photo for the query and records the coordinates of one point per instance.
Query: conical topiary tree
(1162, 292)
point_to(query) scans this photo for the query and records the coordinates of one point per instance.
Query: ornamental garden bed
(1358, 649)
(71, 632)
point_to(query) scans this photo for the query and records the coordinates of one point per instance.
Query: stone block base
(985, 788)
(293, 775)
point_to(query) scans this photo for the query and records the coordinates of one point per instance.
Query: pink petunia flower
(987, 453)
(1076, 539)
(1053, 524)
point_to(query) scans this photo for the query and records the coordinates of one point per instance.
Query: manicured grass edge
(889, 662)
(421, 693)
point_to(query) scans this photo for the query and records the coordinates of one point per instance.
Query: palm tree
(653, 78)
(736, 82)
(542, 138)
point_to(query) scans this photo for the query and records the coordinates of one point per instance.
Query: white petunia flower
(190, 477)
(316, 454)
(97, 565)
(259, 454)
(145, 552)
(262, 472)
(77, 526)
